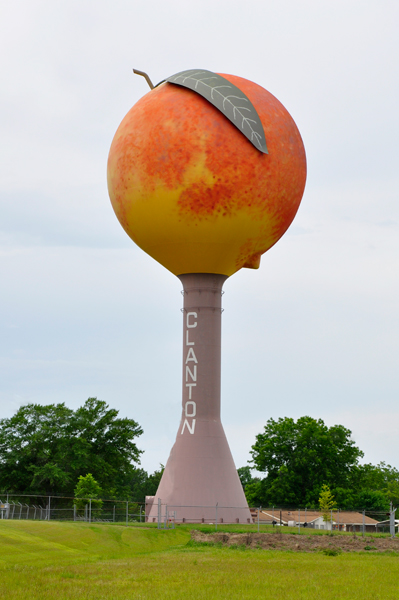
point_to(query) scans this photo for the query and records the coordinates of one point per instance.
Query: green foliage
(372, 500)
(45, 449)
(381, 478)
(326, 502)
(332, 551)
(245, 475)
(299, 457)
(153, 481)
(87, 487)
(253, 492)
(141, 484)
(371, 487)
(392, 492)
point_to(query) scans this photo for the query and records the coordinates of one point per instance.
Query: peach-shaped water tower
(205, 173)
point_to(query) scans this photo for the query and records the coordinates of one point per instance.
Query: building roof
(342, 517)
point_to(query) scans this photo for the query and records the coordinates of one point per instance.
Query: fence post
(364, 522)
(159, 513)
(127, 512)
(258, 518)
(114, 513)
(216, 521)
(299, 521)
(331, 521)
(140, 513)
(392, 511)
(49, 508)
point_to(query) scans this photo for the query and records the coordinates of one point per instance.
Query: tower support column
(200, 472)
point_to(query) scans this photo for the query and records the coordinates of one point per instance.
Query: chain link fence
(62, 508)
(90, 510)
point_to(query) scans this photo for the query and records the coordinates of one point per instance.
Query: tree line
(296, 458)
(48, 449)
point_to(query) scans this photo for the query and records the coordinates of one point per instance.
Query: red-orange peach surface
(192, 191)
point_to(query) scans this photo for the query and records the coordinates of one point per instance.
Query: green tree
(141, 484)
(392, 493)
(137, 483)
(254, 493)
(345, 498)
(87, 489)
(371, 500)
(299, 457)
(245, 475)
(44, 449)
(153, 481)
(326, 502)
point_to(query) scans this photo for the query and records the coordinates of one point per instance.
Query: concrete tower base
(200, 481)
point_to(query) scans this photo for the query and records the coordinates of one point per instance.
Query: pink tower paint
(200, 472)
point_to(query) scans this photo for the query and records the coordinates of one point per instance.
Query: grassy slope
(93, 562)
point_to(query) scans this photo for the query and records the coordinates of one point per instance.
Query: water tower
(205, 173)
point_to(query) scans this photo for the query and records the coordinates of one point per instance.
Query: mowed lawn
(40, 560)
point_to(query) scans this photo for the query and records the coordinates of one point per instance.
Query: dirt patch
(333, 544)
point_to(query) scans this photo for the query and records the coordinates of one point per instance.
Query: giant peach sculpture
(205, 173)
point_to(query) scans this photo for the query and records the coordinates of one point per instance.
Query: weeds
(332, 551)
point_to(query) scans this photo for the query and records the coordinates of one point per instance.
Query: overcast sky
(84, 312)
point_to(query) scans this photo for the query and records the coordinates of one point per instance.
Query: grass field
(41, 560)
